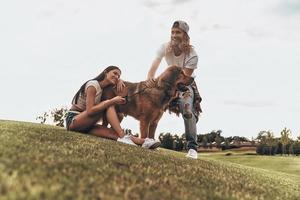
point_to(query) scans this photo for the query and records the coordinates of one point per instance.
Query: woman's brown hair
(100, 77)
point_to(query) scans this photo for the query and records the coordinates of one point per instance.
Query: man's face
(176, 36)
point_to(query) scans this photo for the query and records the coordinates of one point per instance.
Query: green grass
(289, 166)
(46, 162)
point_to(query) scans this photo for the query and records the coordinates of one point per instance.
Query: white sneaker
(150, 143)
(127, 140)
(192, 154)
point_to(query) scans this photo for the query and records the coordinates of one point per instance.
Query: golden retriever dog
(147, 104)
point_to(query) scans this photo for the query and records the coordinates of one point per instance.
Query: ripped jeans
(187, 111)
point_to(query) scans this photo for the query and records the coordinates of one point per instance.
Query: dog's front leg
(152, 129)
(144, 127)
(153, 125)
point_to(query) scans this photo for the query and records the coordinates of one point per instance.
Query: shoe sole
(155, 145)
(128, 143)
(191, 157)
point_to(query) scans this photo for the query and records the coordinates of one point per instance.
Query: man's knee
(188, 115)
(187, 111)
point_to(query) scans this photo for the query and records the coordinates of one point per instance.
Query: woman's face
(113, 76)
(176, 36)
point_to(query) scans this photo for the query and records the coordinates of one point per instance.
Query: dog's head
(173, 78)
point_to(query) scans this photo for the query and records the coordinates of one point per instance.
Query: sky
(248, 69)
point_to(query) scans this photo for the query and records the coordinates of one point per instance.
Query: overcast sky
(248, 71)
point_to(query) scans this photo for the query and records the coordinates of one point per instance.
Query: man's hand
(150, 82)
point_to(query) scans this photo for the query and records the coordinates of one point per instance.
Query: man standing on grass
(179, 52)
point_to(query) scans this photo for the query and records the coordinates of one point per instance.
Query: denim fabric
(70, 117)
(186, 109)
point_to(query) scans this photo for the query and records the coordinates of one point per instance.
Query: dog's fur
(148, 104)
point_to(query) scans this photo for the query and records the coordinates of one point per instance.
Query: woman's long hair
(185, 45)
(100, 77)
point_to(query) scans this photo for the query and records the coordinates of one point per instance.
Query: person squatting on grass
(88, 109)
(179, 52)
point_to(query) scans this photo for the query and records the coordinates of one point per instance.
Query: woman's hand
(119, 100)
(120, 85)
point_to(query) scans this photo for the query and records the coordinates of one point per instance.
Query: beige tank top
(81, 102)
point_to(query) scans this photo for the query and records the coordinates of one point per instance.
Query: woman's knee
(83, 121)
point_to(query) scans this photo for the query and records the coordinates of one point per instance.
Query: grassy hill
(46, 162)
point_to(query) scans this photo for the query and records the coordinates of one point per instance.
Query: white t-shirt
(81, 102)
(189, 61)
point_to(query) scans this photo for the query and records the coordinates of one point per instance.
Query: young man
(179, 52)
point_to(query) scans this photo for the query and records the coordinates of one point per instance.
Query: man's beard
(176, 45)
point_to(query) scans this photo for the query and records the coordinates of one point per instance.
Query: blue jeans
(186, 100)
(70, 117)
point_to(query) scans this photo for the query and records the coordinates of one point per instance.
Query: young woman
(179, 52)
(88, 109)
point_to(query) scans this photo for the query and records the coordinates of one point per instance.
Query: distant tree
(262, 137)
(297, 148)
(226, 143)
(218, 141)
(59, 116)
(270, 141)
(177, 143)
(166, 140)
(199, 138)
(285, 138)
(204, 142)
(279, 147)
(183, 139)
(43, 118)
(267, 143)
(210, 145)
(291, 148)
(56, 115)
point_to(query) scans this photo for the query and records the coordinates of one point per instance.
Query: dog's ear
(173, 74)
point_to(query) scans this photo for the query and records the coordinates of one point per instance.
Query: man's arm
(153, 68)
(190, 65)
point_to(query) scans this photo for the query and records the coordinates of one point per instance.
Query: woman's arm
(93, 109)
(120, 85)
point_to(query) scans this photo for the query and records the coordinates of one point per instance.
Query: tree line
(266, 143)
(271, 145)
(206, 141)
